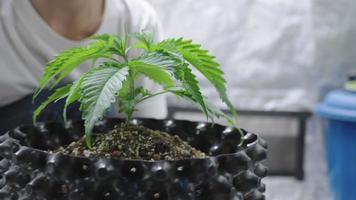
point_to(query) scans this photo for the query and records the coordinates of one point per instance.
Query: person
(32, 32)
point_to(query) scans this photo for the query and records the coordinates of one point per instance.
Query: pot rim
(249, 141)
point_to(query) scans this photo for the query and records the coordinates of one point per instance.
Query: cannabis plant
(111, 79)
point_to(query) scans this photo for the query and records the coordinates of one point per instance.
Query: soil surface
(134, 142)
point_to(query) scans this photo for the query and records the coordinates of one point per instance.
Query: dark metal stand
(302, 118)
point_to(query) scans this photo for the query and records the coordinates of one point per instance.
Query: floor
(315, 185)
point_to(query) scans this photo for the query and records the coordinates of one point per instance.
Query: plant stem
(113, 59)
(152, 95)
(132, 96)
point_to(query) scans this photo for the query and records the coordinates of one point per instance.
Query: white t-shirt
(27, 43)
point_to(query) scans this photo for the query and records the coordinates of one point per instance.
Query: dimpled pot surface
(231, 172)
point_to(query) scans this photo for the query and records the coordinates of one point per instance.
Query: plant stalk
(152, 95)
(132, 96)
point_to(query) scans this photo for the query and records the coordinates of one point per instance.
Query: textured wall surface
(276, 54)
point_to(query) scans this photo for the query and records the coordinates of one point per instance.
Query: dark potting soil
(134, 142)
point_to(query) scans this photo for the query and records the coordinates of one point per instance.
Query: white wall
(276, 54)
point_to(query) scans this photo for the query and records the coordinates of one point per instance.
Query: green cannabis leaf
(168, 63)
(99, 90)
(59, 94)
(63, 64)
(202, 61)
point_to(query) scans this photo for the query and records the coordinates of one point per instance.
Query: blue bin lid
(339, 105)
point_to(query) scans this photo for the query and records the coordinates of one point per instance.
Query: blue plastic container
(339, 111)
